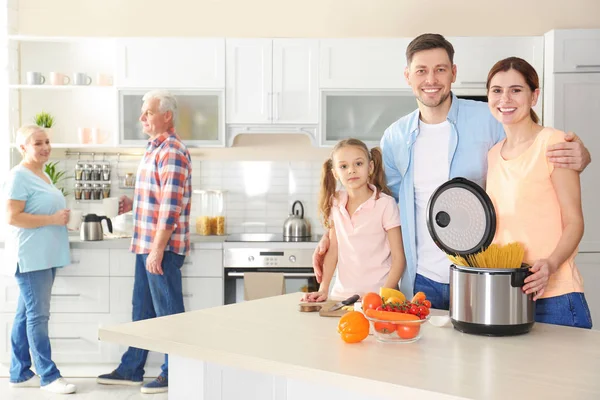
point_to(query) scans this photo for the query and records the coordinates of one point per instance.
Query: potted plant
(56, 176)
(45, 120)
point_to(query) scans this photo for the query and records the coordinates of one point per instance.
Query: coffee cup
(81, 79)
(74, 220)
(104, 80)
(35, 78)
(56, 78)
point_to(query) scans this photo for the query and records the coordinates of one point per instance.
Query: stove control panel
(260, 258)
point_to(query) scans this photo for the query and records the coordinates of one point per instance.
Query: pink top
(364, 255)
(528, 210)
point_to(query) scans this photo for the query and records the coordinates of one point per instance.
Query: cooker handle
(517, 278)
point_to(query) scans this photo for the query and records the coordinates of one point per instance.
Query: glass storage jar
(208, 212)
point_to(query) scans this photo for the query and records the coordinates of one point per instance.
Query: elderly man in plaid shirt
(161, 209)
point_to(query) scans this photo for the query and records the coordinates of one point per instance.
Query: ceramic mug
(84, 135)
(74, 220)
(96, 136)
(56, 78)
(104, 80)
(79, 78)
(35, 78)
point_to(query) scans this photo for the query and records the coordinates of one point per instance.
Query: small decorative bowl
(397, 331)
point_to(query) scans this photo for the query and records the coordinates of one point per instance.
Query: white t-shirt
(431, 169)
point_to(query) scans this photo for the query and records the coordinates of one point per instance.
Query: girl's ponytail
(378, 177)
(328, 186)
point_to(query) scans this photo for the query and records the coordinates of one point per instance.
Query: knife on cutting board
(350, 300)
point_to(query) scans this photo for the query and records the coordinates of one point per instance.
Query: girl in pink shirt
(536, 204)
(363, 222)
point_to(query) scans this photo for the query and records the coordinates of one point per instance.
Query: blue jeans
(570, 309)
(153, 296)
(30, 328)
(437, 293)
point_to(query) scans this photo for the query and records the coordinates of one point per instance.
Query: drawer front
(87, 262)
(198, 293)
(69, 295)
(198, 263)
(71, 342)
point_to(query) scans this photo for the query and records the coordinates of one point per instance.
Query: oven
(265, 254)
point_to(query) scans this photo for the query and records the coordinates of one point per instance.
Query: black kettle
(91, 228)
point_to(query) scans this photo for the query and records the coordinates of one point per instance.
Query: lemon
(386, 293)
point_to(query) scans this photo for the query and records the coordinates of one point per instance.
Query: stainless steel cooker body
(490, 301)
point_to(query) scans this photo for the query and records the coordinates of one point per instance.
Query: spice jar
(97, 172)
(105, 190)
(96, 191)
(129, 179)
(78, 191)
(78, 171)
(87, 172)
(106, 172)
(87, 191)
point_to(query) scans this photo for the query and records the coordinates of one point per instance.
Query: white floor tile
(87, 389)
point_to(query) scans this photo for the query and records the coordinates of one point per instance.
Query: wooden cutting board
(322, 309)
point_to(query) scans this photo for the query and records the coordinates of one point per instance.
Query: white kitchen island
(267, 350)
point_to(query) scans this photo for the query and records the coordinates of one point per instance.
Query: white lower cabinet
(198, 293)
(589, 266)
(96, 290)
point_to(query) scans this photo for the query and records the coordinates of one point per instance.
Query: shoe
(33, 382)
(159, 385)
(60, 386)
(115, 379)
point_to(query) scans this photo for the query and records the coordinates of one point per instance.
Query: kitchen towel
(258, 285)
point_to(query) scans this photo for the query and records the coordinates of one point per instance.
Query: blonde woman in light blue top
(37, 243)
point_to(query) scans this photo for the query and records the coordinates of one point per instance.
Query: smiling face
(37, 149)
(430, 75)
(510, 99)
(351, 165)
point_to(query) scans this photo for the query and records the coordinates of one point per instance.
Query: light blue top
(38, 248)
(473, 133)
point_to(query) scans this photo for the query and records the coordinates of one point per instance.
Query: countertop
(272, 336)
(196, 241)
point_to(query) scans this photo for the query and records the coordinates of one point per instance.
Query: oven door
(295, 279)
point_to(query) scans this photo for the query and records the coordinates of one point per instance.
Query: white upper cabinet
(475, 56)
(249, 81)
(272, 81)
(363, 63)
(295, 81)
(573, 50)
(171, 62)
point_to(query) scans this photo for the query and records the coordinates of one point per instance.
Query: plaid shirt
(163, 189)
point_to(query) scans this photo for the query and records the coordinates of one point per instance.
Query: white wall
(303, 18)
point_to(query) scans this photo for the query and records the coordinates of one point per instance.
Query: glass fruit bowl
(397, 331)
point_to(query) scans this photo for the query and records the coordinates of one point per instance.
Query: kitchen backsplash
(259, 194)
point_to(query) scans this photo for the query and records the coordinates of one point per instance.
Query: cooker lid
(461, 218)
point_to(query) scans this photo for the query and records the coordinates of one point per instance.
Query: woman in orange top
(536, 204)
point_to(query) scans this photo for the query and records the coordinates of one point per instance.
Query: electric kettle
(296, 228)
(91, 228)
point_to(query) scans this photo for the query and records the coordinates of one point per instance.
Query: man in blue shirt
(445, 137)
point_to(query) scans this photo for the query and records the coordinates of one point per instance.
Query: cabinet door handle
(188, 295)
(73, 262)
(65, 294)
(64, 337)
(276, 105)
(587, 66)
